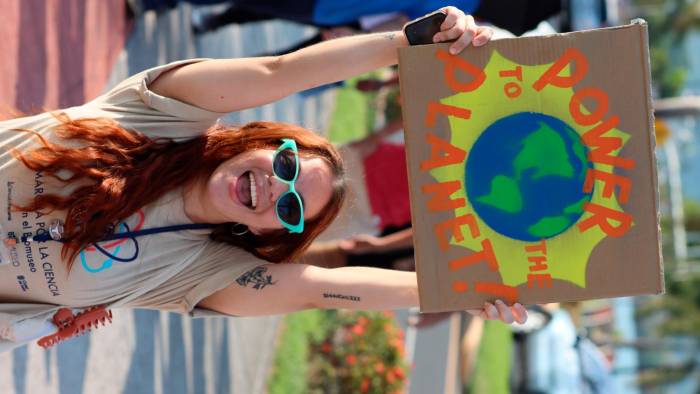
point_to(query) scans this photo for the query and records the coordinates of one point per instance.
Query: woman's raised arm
(282, 288)
(227, 85)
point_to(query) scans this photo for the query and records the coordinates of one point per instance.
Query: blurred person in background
(336, 18)
(385, 187)
(523, 15)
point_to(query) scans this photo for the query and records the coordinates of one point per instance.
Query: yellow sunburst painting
(533, 167)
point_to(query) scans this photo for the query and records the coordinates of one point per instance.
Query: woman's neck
(194, 202)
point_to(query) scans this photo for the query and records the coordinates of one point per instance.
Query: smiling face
(243, 190)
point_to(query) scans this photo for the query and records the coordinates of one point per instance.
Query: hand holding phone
(453, 25)
(422, 30)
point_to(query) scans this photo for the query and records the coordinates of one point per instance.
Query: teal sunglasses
(285, 167)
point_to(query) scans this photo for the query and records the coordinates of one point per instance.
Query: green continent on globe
(525, 176)
(556, 224)
(575, 208)
(545, 142)
(504, 195)
(549, 225)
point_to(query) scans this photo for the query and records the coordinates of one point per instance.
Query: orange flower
(364, 386)
(379, 367)
(398, 371)
(390, 378)
(362, 321)
(358, 329)
(326, 347)
(350, 359)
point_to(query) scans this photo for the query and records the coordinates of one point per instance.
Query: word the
(537, 257)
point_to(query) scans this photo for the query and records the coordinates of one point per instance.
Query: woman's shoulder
(135, 106)
(139, 81)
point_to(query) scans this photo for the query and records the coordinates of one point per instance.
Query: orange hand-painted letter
(538, 247)
(441, 192)
(601, 108)
(454, 225)
(434, 108)
(542, 280)
(442, 153)
(552, 77)
(485, 255)
(452, 63)
(610, 181)
(602, 147)
(602, 216)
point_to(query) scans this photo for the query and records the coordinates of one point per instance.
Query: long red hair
(120, 171)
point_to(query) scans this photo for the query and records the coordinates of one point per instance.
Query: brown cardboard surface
(458, 106)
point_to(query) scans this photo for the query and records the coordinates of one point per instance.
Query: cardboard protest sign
(532, 169)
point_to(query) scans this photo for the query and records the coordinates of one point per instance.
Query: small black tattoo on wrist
(342, 297)
(390, 36)
(256, 277)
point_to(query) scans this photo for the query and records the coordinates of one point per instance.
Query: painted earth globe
(525, 176)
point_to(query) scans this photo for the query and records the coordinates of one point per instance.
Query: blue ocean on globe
(525, 175)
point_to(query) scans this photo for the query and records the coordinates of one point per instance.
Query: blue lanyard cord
(114, 256)
(46, 236)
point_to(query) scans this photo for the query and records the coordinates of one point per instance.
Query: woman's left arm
(283, 288)
(227, 85)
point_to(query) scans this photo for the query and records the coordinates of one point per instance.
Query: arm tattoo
(256, 277)
(390, 36)
(340, 296)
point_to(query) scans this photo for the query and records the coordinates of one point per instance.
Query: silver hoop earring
(239, 229)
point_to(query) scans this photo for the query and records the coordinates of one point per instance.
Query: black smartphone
(422, 30)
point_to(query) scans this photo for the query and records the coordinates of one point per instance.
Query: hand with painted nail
(461, 28)
(500, 311)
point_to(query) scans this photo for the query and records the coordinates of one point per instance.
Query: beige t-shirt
(170, 271)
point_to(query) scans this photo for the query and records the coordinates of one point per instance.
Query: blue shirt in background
(336, 12)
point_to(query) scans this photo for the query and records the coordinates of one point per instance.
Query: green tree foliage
(680, 305)
(670, 21)
(683, 306)
(339, 352)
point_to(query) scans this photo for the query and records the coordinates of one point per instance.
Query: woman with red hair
(141, 199)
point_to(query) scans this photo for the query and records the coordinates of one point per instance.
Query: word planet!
(525, 176)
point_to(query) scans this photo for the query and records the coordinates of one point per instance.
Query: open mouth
(247, 190)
